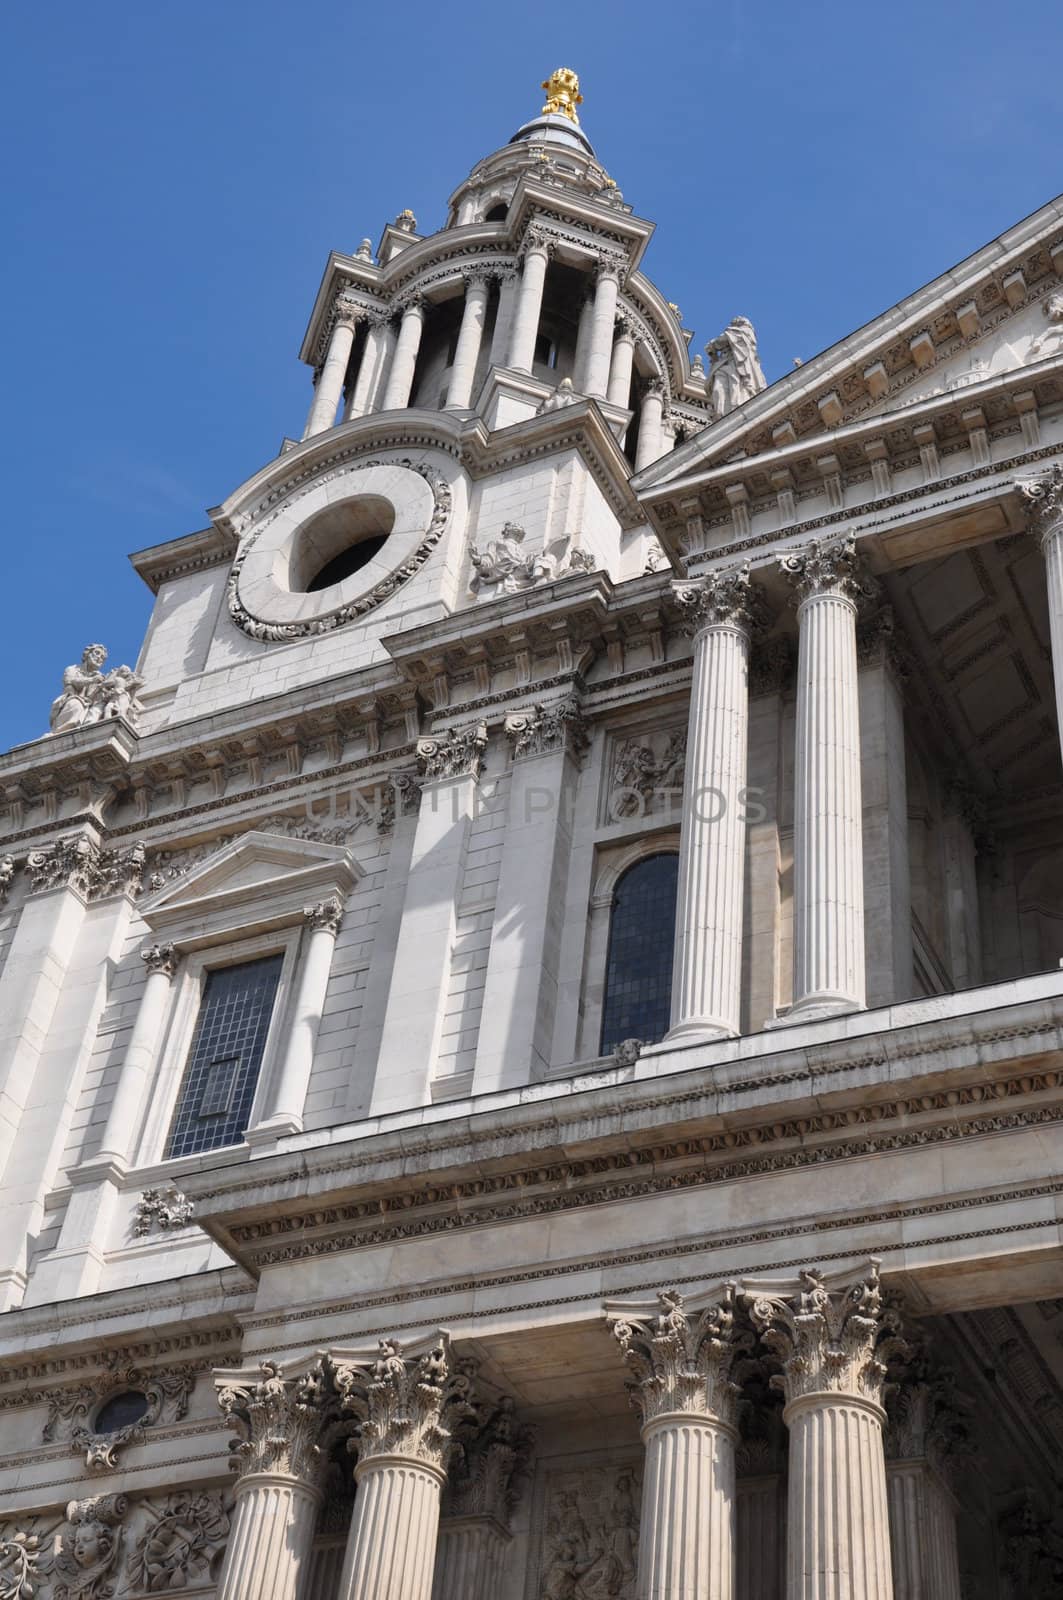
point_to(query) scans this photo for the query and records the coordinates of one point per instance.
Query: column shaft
(650, 445)
(286, 1115)
(529, 308)
(507, 294)
(138, 1065)
(470, 1559)
(686, 1543)
(760, 1528)
(1053, 549)
(603, 320)
(470, 338)
(330, 382)
(706, 987)
(268, 1553)
(583, 340)
(392, 1545)
(828, 845)
(404, 361)
(837, 1523)
(922, 1521)
(372, 354)
(620, 372)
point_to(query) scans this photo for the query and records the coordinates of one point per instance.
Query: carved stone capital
(475, 278)
(486, 1476)
(326, 914)
(681, 1362)
(544, 729)
(164, 958)
(1043, 498)
(831, 567)
(720, 599)
(538, 239)
(405, 1405)
(458, 753)
(279, 1421)
(72, 863)
(927, 1416)
(878, 640)
(830, 1341)
(347, 315)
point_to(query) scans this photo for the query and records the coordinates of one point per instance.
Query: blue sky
(174, 177)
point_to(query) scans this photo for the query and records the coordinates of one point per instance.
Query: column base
(815, 1007)
(274, 1128)
(697, 1029)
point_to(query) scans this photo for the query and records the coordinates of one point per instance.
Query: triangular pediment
(983, 318)
(260, 879)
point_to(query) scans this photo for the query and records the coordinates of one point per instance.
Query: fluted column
(331, 379)
(681, 1362)
(707, 971)
(529, 303)
(927, 1439)
(828, 836)
(322, 922)
(162, 961)
(623, 358)
(279, 1420)
(478, 1502)
(508, 288)
(583, 340)
(833, 1344)
(406, 1408)
(376, 343)
(403, 362)
(1044, 502)
(650, 444)
(470, 338)
(603, 320)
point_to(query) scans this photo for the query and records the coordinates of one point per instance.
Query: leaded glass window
(638, 971)
(226, 1055)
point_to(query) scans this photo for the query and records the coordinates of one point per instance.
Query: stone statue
(501, 567)
(7, 876)
(563, 395)
(92, 695)
(1049, 343)
(735, 375)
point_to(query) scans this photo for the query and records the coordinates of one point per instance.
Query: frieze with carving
(181, 1547)
(162, 1210)
(87, 1565)
(590, 1536)
(648, 774)
(73, 1413)
(20, 1561)
(503, 567)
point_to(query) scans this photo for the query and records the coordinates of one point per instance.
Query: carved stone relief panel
(644, 774)
(585, 1534)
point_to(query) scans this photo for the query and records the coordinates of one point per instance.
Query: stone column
(681, 1361)
(524, 962)
(403, 362)
(478, 1502)
(162, 961)
(583, 340)
(650, 445)
(760, 1515)
(833, 1344)
(406, 1408)
(279, 1420)
(1043, 497)
(470, 338)
(376, 341)
(331, 379)
(603, 320)
(529, 303)
(619, 393)
(707, 974)
(828, 842)
(508, 280)
(926, 1435)
(322, 923)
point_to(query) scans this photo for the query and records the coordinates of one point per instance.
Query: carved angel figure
(90, 694)
(503, 568)
(86, 1567)
(1049, 343)
(736, 374)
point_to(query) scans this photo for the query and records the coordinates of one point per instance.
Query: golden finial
(562, 94)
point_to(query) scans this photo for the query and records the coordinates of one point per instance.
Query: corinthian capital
(486, 1478)
(405, 1405)
(825, 566)
(348, 315)
(680, 1361)
(545, 728)
(164, 958)
(278, 1420)
(719, 598)
(1043, 499)
(327, 914)
(834, 1341)
(457, 753)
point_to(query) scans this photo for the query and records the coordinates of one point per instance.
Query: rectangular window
(223, 1064)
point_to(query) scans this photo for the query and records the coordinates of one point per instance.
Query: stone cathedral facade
(530, 1021)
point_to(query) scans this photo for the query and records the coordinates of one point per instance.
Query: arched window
(638, 969)
(497, 212)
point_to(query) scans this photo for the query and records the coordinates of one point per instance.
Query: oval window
(339, 541)
(121, 1411)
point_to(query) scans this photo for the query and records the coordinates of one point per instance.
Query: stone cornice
(589, 1142)
(193, 552)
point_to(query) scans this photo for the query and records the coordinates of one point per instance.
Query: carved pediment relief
(258, 881)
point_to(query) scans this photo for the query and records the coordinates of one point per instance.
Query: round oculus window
(122, 1411)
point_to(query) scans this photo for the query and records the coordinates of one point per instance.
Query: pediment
(981, 319)
(257, 881)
